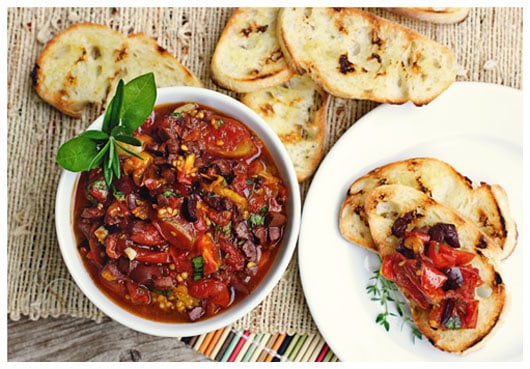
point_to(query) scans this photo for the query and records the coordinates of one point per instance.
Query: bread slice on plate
(355, 54)
(82, 65)
(248, 56)
(434, 15)
(483, 204)
(388, 203)
(296, 111)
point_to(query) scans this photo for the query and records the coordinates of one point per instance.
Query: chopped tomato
(230, 139)
(215, 291)
(210, 254)
(234, 258)
(432, 280)
(471, 279)
(454, 314)
(138, 295)
(425, 237)
(146, 234)
(148, 256)
(181, 260)
(445, 256)
(175, 234)
(407, 279)
(388, 265)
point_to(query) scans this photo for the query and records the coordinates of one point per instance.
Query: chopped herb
(264, 209)
(197, 267)
(256, 220)
(118, 195)
(169, 193)
(176, 114)
(166, 293)
(453, 323)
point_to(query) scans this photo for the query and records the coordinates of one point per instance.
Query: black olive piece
(189, 208)
(400, 225)
(454, 279)
(443, 232)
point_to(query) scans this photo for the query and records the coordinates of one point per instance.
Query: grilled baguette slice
(248, 56)
(355, 54)
(387, 203)
(143, 55)
(434, 15)
(484, 205)
(78, 65)
(82, 64)
(296, 111)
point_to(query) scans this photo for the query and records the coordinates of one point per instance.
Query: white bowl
(64, 223)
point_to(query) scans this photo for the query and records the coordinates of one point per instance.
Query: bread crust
(247, 56)
(434, 15)
(484, 205)
(357, 55)
(387, 203)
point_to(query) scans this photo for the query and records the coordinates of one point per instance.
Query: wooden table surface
(77, 339)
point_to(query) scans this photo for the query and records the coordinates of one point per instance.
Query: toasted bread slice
(484, 205)
(248, 56)
(82, 65)
(296, 111)
(434, 15)
(387, 203)
(78, 66)
(143, 55)
(355, 54)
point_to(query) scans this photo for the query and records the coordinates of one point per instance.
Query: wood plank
(77, 339)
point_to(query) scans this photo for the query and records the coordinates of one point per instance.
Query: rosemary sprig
(394, 305)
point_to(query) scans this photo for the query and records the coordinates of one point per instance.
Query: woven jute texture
(488, 47)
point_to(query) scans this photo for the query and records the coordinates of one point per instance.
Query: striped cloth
(233, 345)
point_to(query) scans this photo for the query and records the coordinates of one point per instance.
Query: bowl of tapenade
(197, 224)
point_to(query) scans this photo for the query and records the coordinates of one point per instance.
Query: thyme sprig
(394, 305)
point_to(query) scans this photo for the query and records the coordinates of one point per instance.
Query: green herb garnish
(129, 108)
(198, 267)
(387, 294)
(256, 220)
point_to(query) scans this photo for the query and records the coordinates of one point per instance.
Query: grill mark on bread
(498, 279)
(254, 28)
(482, 243)
(345, 66)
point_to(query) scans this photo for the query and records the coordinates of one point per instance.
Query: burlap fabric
(488, 46)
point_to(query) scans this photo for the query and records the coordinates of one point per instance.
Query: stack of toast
(429, 191)
(286, 62)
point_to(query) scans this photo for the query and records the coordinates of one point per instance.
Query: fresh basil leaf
(138, 101)
(77, 154)
(128, 140)
(95, 135)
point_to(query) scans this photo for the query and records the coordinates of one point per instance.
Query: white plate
(475, 127)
